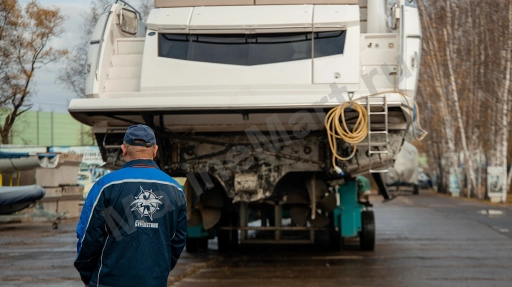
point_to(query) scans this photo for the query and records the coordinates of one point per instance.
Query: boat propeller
(205, 209)
(311, 204)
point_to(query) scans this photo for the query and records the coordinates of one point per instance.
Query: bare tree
(72, 76)
(25, 48)
(10, 16)
(505, 93)
(145, 7)
(465, 83)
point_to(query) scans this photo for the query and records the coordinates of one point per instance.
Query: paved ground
(33, 254)
(425, 240)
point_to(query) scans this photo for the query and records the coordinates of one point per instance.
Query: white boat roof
(195, 3)
(203, 19)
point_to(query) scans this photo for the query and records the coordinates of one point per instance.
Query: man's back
(132, 229)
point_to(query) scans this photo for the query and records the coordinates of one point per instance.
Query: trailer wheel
(337, 241)
(323, 239)
(191, 245)
(415, 189)
(227, 240)
(194, 245)
(367, 236)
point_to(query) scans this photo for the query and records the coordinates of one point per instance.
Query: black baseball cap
(140, 135)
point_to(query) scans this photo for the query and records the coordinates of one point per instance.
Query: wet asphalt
(423, 240)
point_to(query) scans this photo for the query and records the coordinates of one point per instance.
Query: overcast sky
(49, 95)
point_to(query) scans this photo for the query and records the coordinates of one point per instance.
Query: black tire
(195, 245)
(227, 240)
(323, 239)
(415, 189)
(367, 236)
(337, 241)
(192, 246)
(203, 244)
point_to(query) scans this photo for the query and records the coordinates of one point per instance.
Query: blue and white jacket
(132, 229)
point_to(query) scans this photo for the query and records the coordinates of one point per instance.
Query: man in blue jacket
(133, 225)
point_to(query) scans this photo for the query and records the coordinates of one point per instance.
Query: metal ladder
(385, 151)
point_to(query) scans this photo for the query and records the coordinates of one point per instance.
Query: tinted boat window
(173, 46)
(329, 43)
(222, 49)
(276, 48)
(250, 49)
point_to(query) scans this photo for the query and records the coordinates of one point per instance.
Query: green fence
(50, 129)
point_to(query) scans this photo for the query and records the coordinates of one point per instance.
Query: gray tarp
(405, 168)
(19, 194)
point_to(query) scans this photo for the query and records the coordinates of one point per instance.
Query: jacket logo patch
(146, 203)
(142, 223)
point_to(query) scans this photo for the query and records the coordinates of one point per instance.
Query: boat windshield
(251, 49)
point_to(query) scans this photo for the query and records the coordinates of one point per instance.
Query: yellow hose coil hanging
(337, 128)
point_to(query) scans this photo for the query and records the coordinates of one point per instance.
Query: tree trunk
(4, 133)
(504, 127)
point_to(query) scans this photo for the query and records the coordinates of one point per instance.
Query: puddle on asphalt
(491, 212)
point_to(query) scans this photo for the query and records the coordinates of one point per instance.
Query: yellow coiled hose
(336, 127)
